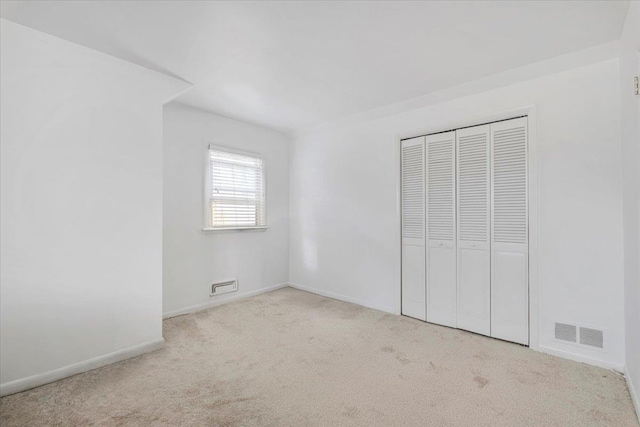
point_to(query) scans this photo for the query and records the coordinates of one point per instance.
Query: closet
(465, 229)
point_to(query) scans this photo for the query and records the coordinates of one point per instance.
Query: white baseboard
(80, 367)
(341, 297)
(635, 398)
(217, 302)
(618, 367)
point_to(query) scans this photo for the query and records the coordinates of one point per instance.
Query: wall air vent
(591, 337)
(223, 287)
(566, 332)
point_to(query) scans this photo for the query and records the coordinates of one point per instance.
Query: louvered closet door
(413, 228)
(441, 229)
(509, 240)
(474, 255)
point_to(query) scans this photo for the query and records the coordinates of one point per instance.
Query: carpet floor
(290, 358)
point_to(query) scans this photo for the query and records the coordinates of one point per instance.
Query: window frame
(208, 146)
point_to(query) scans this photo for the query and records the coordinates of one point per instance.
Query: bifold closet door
(473, 245)
(509, 239)
(413, 228)
(441, 229)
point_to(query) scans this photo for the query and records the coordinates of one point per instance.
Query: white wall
(81, 211)
(630, 110)
(345, 228)
(193, 258)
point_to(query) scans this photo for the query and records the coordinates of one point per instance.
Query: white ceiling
(292, 65)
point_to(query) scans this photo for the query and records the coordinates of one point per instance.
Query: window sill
(260, 228)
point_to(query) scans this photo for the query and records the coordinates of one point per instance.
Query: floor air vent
(224, 287)
(586, 336)
(591, 337)
(566, 332)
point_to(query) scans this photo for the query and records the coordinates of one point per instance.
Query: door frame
(532, 160)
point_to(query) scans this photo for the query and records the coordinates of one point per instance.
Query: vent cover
(566, 332)
(224, 287)
(413, 191)
(591, 337)
(588, 336)
(440, 187)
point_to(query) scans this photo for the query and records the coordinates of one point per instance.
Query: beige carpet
(296, 359)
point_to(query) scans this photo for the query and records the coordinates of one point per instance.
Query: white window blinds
(235, 187)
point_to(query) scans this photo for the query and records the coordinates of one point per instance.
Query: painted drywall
(630, 112)
(193, 259)
(344, 196)
(81, 211)
(277, 64)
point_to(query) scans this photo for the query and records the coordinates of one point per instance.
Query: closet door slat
(441, 232)
(473, 245)
(413, 228)
(509, 237)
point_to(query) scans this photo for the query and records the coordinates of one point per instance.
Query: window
(235, 190)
